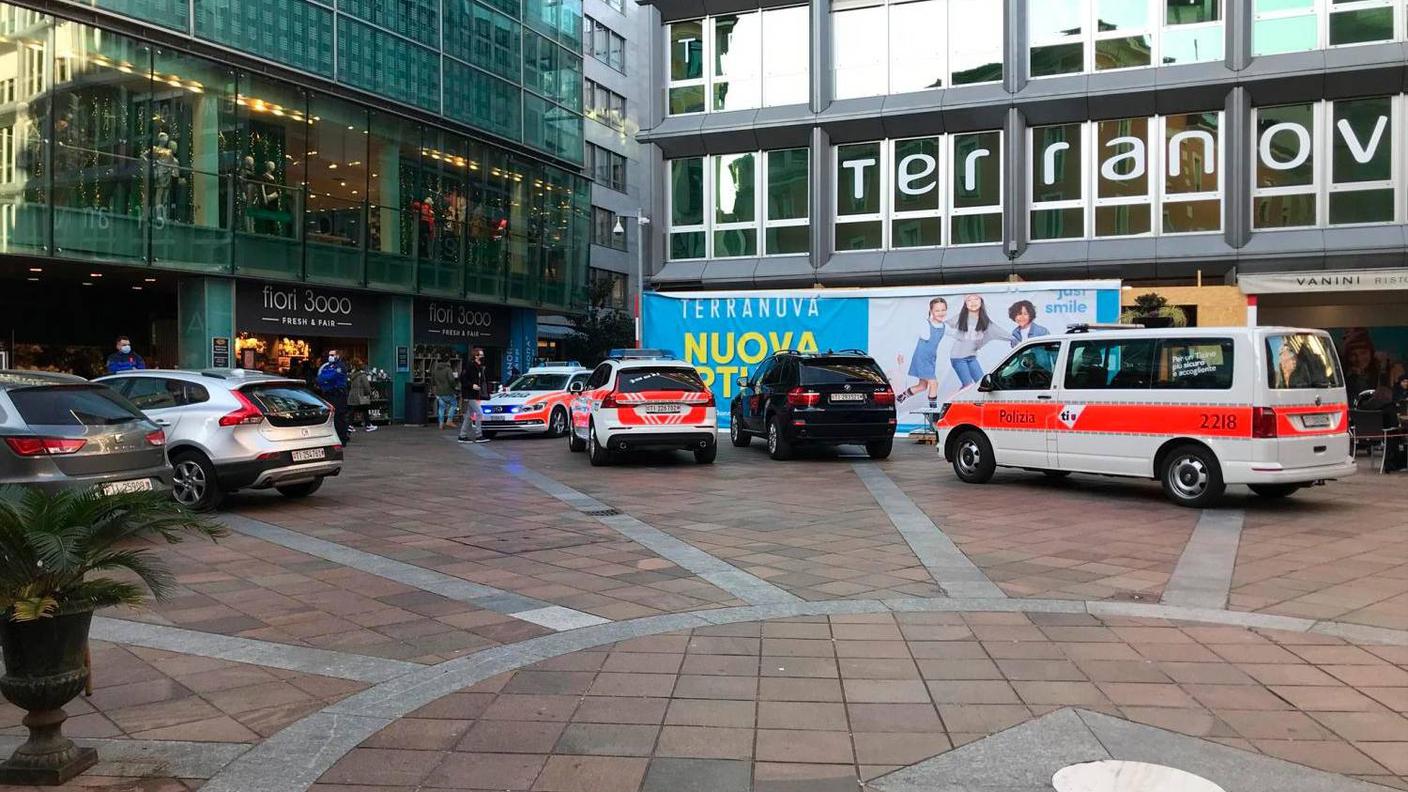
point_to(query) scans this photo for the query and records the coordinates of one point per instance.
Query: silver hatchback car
(61, 432)
(231, 429)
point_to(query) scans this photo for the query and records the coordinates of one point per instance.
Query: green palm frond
(50, 544)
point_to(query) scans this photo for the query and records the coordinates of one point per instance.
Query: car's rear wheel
(973, 461)
(706, 456)
(557, 425)
(736, 433)
(598, 454)
(301, 490)
(1192, 477)
(575, 444)
(1274, 490)
(193, 481)
(779, 447)
(880, 449)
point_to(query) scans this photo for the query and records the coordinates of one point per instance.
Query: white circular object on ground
(1112, 775)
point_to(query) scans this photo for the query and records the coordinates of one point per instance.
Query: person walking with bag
(442, 383)
(474, 387)
(332, 385)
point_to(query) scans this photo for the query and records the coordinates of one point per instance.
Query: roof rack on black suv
(821, 398)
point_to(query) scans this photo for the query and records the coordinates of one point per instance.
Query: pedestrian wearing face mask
(332, 384)
(124, 359)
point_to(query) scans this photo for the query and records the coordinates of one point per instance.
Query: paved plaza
(506, 617)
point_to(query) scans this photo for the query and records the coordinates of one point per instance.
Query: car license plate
(122, 487)
(496, 417)
(1316, 421)
(309, 454)
(661, 408)
(847, 397)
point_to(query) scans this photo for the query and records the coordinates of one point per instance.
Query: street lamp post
(641, 222)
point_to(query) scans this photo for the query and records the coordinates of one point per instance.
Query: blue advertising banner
(930, 341)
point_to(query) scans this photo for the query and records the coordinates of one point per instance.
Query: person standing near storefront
(332, 384)
(124, 359)
(474, 387)
(359, 395)
(442, 381)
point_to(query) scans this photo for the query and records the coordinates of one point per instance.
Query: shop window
(1073, 36)
(1298, 25)
(720, 63)
(1125, 177)
(25, 204)
(758, 205)
(899, 47)
(895, 194)
(1325, 163)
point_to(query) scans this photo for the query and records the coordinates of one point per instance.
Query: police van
(1195, 408)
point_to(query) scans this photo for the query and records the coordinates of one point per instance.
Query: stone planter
(44, 670)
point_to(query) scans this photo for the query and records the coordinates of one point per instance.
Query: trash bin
(415, 403)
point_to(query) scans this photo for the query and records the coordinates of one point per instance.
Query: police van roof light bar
(639, 354)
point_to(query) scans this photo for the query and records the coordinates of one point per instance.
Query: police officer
(332, 384)
(124, 359)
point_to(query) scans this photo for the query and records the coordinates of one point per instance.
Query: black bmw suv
(827, 398)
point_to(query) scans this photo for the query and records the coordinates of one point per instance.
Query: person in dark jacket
(1395, 456)
(474, 388)
(124, 359)
(332, 384)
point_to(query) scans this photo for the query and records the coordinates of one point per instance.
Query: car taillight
(157, 438)
(1263, 422)
(885, 398)
(800, 397)
(709, 402)
(246, 414)
(44, 446)
(608, 402)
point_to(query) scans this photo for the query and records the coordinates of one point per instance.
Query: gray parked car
(59, 431)
(230, 429)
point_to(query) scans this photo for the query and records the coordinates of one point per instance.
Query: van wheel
(1273, 490)
(973, 461)
(575, 444)
(1192, 477)
(880, 449)
(598, 455)
(301, 490)
(779, 447)
(736, 433)
(193, 482)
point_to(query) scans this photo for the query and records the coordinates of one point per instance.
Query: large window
(604, 44)
(1072, 36)
(606, 167)
(1126, 177)
(720, 63)
(749, 204)
(1298, 25)
(604, 105)
(1150, 363)
(897, 193)
(1326, 163)
(899, 47)
(604, 229)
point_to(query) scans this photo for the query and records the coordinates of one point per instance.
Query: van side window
(1116, 364)
(1029, 368)
(1194, 363)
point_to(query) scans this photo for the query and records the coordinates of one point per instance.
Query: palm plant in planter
(55, 548)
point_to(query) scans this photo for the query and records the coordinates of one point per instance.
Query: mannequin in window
(425, 225)
(249, 192)
(153, 162)
(270, 192)
(166, 174)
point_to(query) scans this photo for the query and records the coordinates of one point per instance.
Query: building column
(1237, 137)
(205, 311)
(821, 56)
(205, 164)
(1014, 45)
(388, 195)
(823, 198)
(1014, 184)
(393, 332)
(522, 347)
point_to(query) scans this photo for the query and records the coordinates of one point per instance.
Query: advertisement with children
(930, 341)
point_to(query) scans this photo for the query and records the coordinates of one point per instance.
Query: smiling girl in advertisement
(924, 362)
(975, 331)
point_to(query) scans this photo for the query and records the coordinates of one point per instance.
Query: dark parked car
(58, 431)
(830, 398)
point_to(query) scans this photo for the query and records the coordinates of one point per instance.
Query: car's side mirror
(985, 384)
(576, 387)
(742, 382)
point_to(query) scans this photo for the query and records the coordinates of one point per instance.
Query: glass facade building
(979, 139)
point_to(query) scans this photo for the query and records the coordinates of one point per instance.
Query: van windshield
(1302, 360)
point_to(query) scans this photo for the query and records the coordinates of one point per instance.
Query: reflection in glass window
(748, 217)
(1284, 194)
(858, 213)
(1361, 161)
(1123, 178)
(720, 63)
(1192, 171)
(1073, 36)
(916, 218)
(975, 188)
(1057, 184)
(915, 46)
(1299, 25)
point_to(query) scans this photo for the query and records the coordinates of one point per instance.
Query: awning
(1324, 281)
